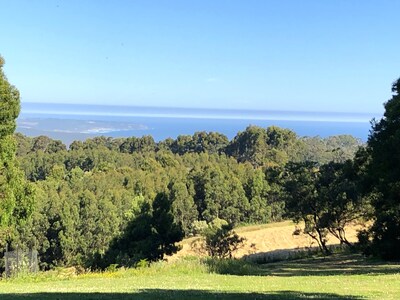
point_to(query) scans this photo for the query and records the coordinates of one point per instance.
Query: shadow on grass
(176, 294)
(337, 264)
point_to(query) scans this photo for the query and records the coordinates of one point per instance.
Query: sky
(334, 56)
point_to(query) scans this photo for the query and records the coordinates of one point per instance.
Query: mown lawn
(337, 277)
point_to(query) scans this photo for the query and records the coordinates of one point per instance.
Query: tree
(384, 178)
(150, 235)
(259, 146)
(256, 191)
(224, 198)
(249, 145)
(337, 187)
(222, 242)
(283, 145)
(211, 142)
(323, 150)
(275, 177)
(143, 145)
(326, 198)
(183, 207)
(183, 144)
(167, 232)
(16, 195)
(304, 203)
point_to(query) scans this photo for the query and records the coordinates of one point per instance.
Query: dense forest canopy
(88, 196)
(123, 200)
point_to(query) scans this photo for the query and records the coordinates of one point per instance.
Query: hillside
(267, 238)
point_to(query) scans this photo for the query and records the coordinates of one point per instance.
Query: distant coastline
(31, 108)
(70, 122)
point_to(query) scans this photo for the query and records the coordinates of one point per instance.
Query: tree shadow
(337, 264)
(160, 294)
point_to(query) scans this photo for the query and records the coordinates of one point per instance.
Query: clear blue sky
(317, 55)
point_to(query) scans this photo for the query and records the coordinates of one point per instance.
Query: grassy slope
(268, 237)
(337, 277)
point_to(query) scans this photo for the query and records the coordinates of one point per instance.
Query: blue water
(80, 121)
(161, 128)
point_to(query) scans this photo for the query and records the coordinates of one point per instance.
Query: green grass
(249, 228)
(342, 276)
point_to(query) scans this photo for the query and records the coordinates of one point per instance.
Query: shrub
(222, 242)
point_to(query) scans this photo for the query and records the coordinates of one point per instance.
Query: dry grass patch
(266, 238)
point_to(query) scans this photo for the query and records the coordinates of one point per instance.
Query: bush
(222, 242)
(232, 266)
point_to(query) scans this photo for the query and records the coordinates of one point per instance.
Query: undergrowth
(189, 265)
(186, 265)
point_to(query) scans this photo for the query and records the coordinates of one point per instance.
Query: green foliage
(200, 142)
(250, 145)
(303, 202)
(232, 266)
(193, 278)
(149, 236)
(133, 144)
(383, 179)
(324, 150)
(183, 207)
(257, 191)
(273, 146)
(9, 105)
(222, 242)
(325, 198)
(167, 231)
(90, 194)
(338, 187)
(16, 195)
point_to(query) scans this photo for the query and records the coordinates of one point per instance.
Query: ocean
(70, 122)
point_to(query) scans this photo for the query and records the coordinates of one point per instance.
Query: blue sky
(317, 55)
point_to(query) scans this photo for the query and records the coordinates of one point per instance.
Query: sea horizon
(69, 122)
(71, 109)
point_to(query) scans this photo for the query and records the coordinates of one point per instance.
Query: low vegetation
(340, 276)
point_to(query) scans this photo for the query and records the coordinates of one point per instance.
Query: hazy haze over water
(70, 121)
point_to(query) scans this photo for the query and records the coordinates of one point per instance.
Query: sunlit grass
(249, 228)
(338, 277)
